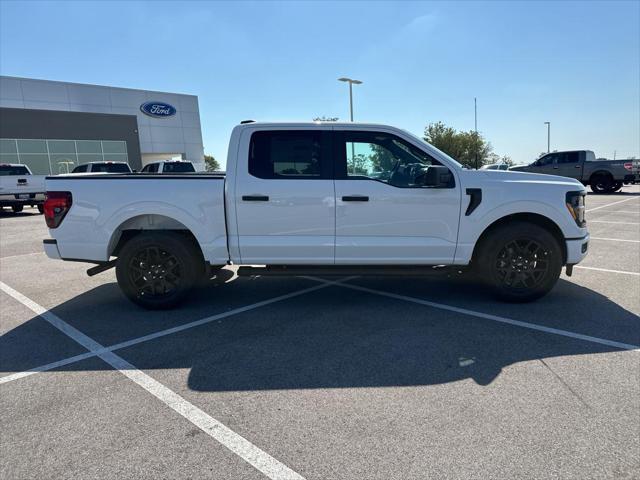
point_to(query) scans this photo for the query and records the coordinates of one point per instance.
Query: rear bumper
(577, 249)
(632, 178)
(51, 248)
(9, 200)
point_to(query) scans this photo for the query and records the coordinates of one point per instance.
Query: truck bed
(102, 207)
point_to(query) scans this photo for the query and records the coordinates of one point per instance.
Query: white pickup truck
(19, 187)
(320, 198)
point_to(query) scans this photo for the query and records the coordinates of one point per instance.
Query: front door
(384, 213)
(284, 198)
(546, 164)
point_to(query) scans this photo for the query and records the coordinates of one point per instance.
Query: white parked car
(169, 166)
(20, 188)
(103, 167)
(297, 200)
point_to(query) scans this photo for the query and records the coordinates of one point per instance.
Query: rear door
(384, 214)
(568, 164)
(284, 197)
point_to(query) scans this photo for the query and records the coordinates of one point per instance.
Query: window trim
(326, 150)
(340, 159)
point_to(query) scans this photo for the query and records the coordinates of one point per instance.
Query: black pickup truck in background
(602, 175)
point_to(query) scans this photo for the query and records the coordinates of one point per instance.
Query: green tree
(211, 163)
(463, 146)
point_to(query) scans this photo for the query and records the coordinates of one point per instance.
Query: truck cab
(169, 166)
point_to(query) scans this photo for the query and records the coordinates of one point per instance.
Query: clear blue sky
(575, 64)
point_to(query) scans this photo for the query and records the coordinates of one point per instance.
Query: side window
(569, 157)
(145, 169)
(288, 154)
(79, 169)
(382, 157)
(546, 160)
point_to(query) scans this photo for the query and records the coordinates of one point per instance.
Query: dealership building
(55, 126)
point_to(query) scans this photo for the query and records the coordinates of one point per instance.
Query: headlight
(575, 205)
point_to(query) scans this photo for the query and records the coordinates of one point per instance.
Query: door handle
(255, 198)
(555, 168)
(355, 198)
(577, 166)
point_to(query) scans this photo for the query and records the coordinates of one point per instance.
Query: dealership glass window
(110, 146)
(115, 157)
(8, 146)
(89, 146)
(32, 146)
(90, 157)
(38, 163)
(54, 156)
(61, 146)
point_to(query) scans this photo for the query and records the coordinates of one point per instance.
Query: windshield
(13, 170)
(428, 146)
(110, 167)
(177, 167)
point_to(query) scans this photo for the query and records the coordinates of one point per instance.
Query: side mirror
(437, 176)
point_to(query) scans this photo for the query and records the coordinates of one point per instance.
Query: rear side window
(6, 170)
(79, 169)
(568, 157)
(178, 167)
(289, 154)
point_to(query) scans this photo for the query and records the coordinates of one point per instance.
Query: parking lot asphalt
(314, 378)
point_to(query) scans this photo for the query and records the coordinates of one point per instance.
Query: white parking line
(611, 204)
(161, 333)
(494, 318)
(623, 272)
(239, 445)
(614, 239)
(617, 223)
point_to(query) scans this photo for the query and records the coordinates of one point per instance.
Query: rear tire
(40, 208)
(17, 208)
(520, 261)
(617, 186)
(157, 270)
(601, 183)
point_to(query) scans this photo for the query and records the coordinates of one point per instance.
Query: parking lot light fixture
(351, 82)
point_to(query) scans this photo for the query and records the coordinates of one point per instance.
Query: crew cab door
(284, 197)
(568, 164)
(384, 213)
(546, 164)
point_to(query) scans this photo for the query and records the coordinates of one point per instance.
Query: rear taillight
(628, 165)
(56, 206)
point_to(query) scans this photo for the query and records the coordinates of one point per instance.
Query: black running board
(342, 270)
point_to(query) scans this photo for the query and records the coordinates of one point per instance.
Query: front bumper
(51, 248)
(577, 249)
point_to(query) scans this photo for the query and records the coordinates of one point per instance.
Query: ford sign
(157, 109)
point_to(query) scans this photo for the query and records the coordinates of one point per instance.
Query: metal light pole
(351, 82)
(548, 124)
(475, 116)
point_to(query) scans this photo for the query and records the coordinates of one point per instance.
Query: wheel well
(534, 218)
(599, 173)
(136, 225)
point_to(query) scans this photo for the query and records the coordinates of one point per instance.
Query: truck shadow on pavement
(330, 338)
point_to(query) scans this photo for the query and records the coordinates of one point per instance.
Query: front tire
(17, 208)
(157, 270)
(520, 261)
(40, 208)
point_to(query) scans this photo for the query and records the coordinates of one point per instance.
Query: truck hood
(525, 177)
(518, 168)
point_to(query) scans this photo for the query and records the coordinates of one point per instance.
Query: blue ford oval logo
(158, 109)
